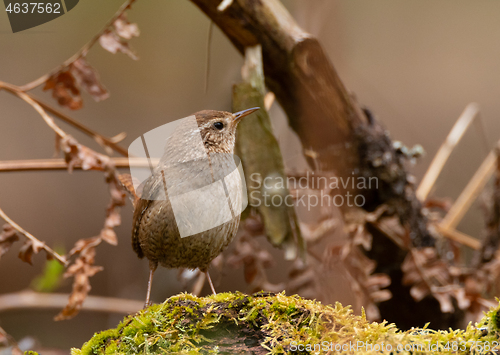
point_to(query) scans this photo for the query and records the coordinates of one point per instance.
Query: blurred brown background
(416, 65)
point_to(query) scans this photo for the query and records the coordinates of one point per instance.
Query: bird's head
(218, 128)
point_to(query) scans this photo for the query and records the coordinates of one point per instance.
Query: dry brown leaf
(427, 274)
(254, 226)
(362, 237)
(7, 238)
(111, 42)
(314, 232)
(70, 147)
(392, 228)
(81, 271)
(82, 244)
(375, 215)
(368, 288)
(77, 154)
(356, 221)
(6, 340)
(252, 257)
(380, 296)
(109, 236)
(372, 311)
(463, 301)
(127, 182)
(113, 219)
(445, 302)
(64, 89)
(87, 78)
(419, 291)
(378, 281)
(124, 28)
(66, 83)
(29, 248)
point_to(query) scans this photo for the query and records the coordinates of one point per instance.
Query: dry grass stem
(442, 155)
(470, 193)
(460, 237)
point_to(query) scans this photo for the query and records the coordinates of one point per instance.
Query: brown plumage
(155, 233)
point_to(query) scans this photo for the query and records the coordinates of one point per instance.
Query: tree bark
(337, 133)
(297, 70)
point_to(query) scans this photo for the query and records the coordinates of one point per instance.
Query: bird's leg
(210, 282)
(152, 269)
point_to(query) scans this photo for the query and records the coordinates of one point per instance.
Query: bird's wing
(151, 189)
(140, 207)
(126, 181)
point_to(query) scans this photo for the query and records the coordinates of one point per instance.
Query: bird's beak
(239, 115)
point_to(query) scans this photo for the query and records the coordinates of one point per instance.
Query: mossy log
(264, 323)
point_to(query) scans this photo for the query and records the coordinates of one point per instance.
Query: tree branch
(49, 250)
(19, 93)
(300, 74)
(102, 140)
(82, 52)
(60, 164)
(30, 299)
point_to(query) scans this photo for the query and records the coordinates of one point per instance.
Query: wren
(155, 229)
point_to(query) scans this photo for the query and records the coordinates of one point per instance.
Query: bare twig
(60, 164)
(462, 238)
(8, 340)
(102, 140)
(55, 255)
(50, 122)
(437, 164)
(31, 299)
(82, 52)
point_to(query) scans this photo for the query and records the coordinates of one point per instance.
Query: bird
(199, 153)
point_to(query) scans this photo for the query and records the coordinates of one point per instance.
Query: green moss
(229, 323)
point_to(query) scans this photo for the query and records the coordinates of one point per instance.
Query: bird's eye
(219, 125)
